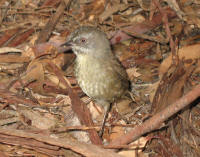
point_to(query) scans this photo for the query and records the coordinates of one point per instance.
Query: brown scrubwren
(97, 70)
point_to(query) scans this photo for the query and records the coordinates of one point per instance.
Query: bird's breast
(98, 79)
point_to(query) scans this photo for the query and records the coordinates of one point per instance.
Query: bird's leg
(107, 110)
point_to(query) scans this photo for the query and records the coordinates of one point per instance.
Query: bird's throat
(80, 50)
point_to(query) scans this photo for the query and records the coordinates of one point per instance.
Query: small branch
(79, 107)
(49, 27)
(168, 32)
(156, 121)
(12, 98)
(87, 150)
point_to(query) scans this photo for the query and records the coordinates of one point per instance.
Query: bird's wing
(117, 67)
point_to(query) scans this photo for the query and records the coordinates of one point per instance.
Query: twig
(79, 107)
(46, 32)
(13, 98)
(88, 150)
(168, 32)
(155, 121)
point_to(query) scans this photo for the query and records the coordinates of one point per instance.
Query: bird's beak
(68, 43)
(66, 46)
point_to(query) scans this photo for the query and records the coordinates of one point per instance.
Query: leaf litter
(43, 112)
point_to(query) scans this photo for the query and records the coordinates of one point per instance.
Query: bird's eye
(83, 40)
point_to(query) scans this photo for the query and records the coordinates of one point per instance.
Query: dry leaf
(35, 73)
(96, 111)
(132, 73)
(39, 121)
(94, 9)
(140, 143)
(117, 132)
(187, 52)
(5, 50)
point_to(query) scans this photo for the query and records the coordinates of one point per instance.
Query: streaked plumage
(97, 70)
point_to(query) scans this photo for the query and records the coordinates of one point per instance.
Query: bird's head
(88, 40)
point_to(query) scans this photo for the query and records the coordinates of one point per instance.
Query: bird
(97, 70)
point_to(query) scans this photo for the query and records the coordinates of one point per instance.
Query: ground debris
(44, 113)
